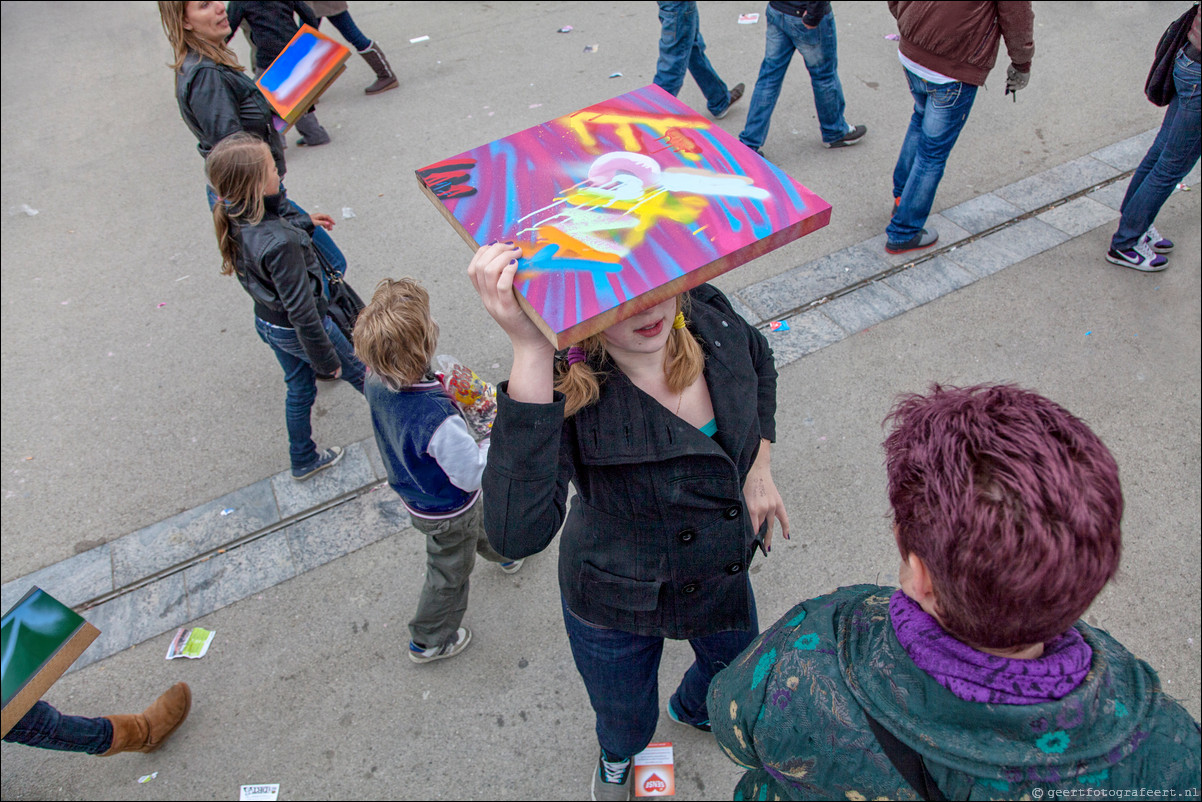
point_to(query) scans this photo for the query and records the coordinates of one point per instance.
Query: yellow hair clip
(678, 323)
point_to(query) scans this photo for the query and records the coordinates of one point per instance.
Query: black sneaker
(923, 239)
(611, 780)
(850, 138)
(326, 459)
(735, 94)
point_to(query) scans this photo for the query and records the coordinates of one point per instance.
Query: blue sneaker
(704, 726)
(325, 459)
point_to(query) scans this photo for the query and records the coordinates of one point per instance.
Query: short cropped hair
(1012, 503)
(394, 334)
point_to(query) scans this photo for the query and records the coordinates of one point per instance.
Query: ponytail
(227, 242)
(683, 362)
(237, 168)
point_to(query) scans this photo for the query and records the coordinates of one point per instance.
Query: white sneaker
(417, 654)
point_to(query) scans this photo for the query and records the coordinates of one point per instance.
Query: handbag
(344, 303)
(1159, 86)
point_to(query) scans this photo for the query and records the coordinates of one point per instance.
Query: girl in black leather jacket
(266, 242)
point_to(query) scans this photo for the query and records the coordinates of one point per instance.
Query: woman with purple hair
(975, 680)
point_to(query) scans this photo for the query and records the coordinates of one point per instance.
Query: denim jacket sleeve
(526, 479)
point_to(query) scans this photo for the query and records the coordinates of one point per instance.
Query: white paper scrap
(259, 793)
(419, 39)
(145, 778)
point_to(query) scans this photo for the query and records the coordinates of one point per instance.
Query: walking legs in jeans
(621, 673)
(940, 111)
(1172, 155)
(302, 383)
(681, 49)
(819, 47)
(46, 728)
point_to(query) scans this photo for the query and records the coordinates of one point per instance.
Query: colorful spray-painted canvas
(305, 69)
(619, 206)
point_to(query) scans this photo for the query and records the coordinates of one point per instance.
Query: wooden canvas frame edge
(46, 676)
(310, 97)
(632, 306)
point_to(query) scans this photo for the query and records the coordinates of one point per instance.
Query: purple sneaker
(1156, 242)
(1137, 258)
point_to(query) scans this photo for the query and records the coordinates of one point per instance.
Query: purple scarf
(980, 677)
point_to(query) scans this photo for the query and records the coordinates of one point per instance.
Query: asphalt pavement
(134, 389)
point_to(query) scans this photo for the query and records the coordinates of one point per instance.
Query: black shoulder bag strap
(909, 763)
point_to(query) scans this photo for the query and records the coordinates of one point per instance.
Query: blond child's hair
(237, 169)
(395, 335)
(683, 362)
(173, 14)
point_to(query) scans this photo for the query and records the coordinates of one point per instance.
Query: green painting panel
(32, 633)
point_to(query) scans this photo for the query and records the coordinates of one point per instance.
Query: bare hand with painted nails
(492, 272)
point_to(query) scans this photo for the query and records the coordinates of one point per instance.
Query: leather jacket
(217, 101)
(658, 541)
(278, 267)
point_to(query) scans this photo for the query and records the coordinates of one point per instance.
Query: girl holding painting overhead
(664, 424)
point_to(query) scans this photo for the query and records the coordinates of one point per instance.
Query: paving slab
(773, 298)
(346, 528)
(1056, 183)
(808, 332)
(352, 472)
(1078, 216)
(73, 581)
(191, 533)
(1126, 154)
(982, 212)
(926, 281)
(135, 617)
(227, 578)
(867, 306)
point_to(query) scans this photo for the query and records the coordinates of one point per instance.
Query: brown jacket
(960, 40)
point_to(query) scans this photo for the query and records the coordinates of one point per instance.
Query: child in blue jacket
(433, 462)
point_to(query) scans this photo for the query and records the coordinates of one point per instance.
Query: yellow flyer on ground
(653, 773)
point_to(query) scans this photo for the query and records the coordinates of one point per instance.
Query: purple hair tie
(575, 354)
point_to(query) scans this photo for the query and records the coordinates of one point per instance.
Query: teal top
(709, 429)
(790, 710)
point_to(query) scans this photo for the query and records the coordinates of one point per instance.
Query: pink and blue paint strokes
(617, 199)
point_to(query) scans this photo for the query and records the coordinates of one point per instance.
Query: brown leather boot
(146, 731)
(385, 77)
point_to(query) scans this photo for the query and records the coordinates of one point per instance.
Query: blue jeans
(302, 382)
(819, 48)
(46, 728)
(1172, 155)
(350, 31)
(940, 111)
(621, 672)
(681, 48)
(322, 240)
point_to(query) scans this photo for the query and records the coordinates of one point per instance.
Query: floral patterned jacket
(791, 710)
